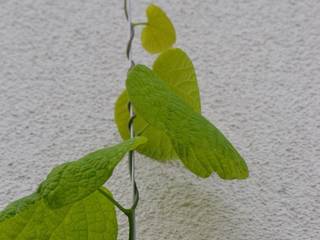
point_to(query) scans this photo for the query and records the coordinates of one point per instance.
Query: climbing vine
(72, 203)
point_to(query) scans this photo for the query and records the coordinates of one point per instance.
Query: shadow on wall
(184, 210)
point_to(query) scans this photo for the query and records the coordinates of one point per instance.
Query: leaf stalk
(139, 24)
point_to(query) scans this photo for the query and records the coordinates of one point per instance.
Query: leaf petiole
(126, 211)
(139, 24)
(117, 204)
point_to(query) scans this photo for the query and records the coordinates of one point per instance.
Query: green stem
(139, 24)
(130, 213)
(132, 223)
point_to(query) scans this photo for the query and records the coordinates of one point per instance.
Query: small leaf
(176, 69)
(72, 181)
(201, 146)
(159, 33)
(91, 218)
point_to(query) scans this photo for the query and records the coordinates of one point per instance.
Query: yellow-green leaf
(176, 69)
(91, 218)
(72, 181)
(159, 33)
(158, 146)
(202, 148)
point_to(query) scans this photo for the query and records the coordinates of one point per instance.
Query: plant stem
(139, 24)
(132, 222)
(131, 160)
(117, 204)
(130, 213)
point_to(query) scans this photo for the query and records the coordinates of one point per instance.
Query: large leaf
(158, 146)
(72, 181)
(159, 33)
(91, 218)
(176, 69)
(202, 148)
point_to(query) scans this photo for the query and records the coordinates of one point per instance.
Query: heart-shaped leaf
(176, 69)
(90, 218)
(202, 148)
(159, 33)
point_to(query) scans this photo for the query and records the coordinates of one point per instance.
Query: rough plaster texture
(63, 64)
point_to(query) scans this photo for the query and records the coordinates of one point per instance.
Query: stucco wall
(62, 65)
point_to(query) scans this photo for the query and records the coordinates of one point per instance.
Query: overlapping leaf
(71, 203)
(159, 33)
(176, 69)
(75, 180)
(91, 218)
(202, 148)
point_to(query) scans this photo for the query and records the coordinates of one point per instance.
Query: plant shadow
(177, 208)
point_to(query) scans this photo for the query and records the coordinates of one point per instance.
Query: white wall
(62, 64)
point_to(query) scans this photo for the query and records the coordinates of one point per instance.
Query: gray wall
(62, 65)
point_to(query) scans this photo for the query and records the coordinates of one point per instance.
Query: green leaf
(158, 146)
(159, 33)
(91, 218)
(202, 148)
(176, 69)
(72, 181)
(18, 206)
(70, 203)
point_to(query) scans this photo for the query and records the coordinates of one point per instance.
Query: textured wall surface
(62, 65)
